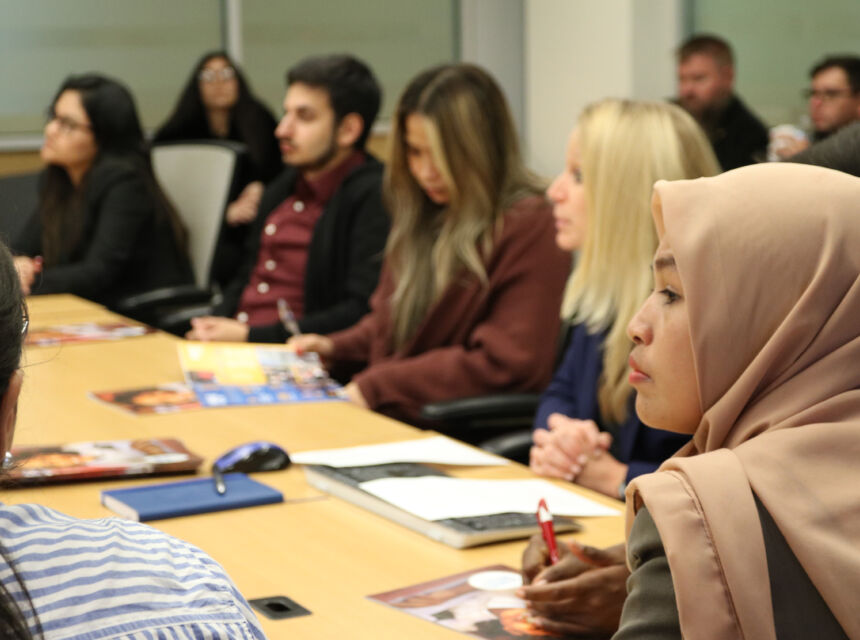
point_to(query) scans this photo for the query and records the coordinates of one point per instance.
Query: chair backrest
(197, 176)
(19, 196)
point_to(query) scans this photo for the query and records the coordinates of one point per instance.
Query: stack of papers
(438, 498)
(436, 450)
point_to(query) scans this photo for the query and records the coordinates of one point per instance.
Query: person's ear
(9, 411)
(349, 130)
(729, 75)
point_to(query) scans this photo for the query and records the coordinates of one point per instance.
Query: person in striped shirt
(65, 578)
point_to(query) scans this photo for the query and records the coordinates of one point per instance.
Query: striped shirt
(112, 578)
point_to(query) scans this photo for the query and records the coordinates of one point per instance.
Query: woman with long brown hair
(472, 282)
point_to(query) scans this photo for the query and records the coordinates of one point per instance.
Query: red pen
(544, 518)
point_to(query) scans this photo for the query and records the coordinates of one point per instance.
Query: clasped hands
(576, 450)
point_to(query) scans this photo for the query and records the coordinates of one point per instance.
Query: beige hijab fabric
(769, 259)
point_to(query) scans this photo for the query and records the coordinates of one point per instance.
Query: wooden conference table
(325, 554)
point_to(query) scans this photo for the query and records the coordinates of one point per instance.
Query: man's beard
(322, 159)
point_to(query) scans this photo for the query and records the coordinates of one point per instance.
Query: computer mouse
(252, 457)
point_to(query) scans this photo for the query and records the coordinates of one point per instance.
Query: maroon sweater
(476, 339)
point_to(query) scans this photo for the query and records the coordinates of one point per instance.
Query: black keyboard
(356, 475)
(502, 521)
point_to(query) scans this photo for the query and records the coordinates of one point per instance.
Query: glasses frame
(67, 125)
(210, 76)
(827, 95)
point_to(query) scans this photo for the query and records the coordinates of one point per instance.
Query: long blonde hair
(474, 146)
(625, 147)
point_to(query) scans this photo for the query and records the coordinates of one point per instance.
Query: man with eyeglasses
(834, 102)
(834, 97)
(706, 78)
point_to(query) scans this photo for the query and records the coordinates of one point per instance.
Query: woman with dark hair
(104, 229)
(217, 104)
(61, 577)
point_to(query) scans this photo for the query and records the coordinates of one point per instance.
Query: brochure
(479, 603)
(85, 332)
(99, 459)
(228, 374)
(158, 399)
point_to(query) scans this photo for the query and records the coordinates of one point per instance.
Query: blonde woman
(472, 278)
(586, 429)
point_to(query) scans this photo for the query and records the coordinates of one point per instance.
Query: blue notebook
(188, 497)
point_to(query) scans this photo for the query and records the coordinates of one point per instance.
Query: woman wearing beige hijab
(750, 341)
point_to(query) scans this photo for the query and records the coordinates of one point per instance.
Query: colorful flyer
(85, 332)
(158, 399)
(228, 374)
(479, 603)
(98, 459)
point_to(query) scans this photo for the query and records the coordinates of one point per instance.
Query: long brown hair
(475, 148)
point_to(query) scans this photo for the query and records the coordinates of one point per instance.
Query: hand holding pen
(288, 320)
(544, 518)
(580, 594)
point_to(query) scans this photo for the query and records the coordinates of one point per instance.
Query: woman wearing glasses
(103, 229)
(217, 104)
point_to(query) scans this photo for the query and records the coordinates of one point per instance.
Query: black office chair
(19, 196)
(198, 176)
(498, 423)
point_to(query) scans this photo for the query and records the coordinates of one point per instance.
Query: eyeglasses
(67, 125)
(25, 324)
(826, 95)
(213, 75)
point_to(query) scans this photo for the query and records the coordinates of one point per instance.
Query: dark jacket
(125, 246)
(573, 393)
(840, 151)
(344, 256)
(738, 137)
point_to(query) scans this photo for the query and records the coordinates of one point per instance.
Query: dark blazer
(344, 256)
(125, 247)
(573, 392)
(739, 137)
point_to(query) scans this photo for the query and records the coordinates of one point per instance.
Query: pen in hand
(288, 320)
(218, 478)
(544, 518)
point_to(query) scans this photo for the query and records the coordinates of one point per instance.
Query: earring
(7, 460)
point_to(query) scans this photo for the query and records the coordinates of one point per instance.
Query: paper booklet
(99, 459)
(434, 450)
(158, 399)
(475, 603)
(84, 332)
(229, 374)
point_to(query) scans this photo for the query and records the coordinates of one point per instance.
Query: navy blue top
(573, 392)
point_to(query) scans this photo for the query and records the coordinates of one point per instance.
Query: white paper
(437, 498)
(436, 450)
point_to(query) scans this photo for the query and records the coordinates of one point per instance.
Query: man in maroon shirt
(318, 240)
